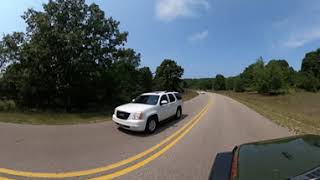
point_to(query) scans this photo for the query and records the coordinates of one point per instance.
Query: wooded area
(275, 77)
(73, 57)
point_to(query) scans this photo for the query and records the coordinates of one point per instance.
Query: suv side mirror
(163, 102)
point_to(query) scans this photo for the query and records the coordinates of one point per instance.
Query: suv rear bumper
(130, 124)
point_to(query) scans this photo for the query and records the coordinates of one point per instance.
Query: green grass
(189, 94)
(53, 118)
(300, 111)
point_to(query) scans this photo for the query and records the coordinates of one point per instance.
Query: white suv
(146, 111)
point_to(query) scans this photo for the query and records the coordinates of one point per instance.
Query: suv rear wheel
(178, 113)
(152, 124)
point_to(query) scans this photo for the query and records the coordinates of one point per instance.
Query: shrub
(2, 106)
(239, 85)
(11, 105)
(308, 82)
(7, 105)
(219, 83)
(264, 88)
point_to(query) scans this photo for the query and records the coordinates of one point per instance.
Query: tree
(308, 82)
(168, 76)
(309, 78)
(10, 48)
(145, 78)
(230, 83)
(205, 84)
(239, 84)
(252, 77)
(219, 83)
(66, 56)
(287, 71)
(247, 77)
(276, 80)
(311, 63)
(127, 79)
(275, 77)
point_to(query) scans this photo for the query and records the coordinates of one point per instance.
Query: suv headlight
(137, 115)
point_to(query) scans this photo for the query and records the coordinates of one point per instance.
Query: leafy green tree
(247, 77)
(239, 84)
(311, 64)
(65, 58)
(275, 77)
(253, 76)
(230, 83)
(308, 82)
(309, 78)
(168, 76)
(288, 72)
(146, 79)
(10, 48)
(259, 73)
(205, 84)
(184, 85)
(276, 80)
(202, 83)
(219, 83)
(10, 82)
(127, 79)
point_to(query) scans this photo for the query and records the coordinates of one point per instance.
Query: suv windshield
(147, 99)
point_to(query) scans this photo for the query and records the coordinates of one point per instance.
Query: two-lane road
(182, 149)
(226, 124)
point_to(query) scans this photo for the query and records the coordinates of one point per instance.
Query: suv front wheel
(151, 126)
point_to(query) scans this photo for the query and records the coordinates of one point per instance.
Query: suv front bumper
(130, 124)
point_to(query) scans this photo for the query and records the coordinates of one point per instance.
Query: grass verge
(299, 112)
(53, 118)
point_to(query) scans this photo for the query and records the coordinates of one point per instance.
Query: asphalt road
(211, 123)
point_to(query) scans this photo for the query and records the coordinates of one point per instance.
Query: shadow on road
(165, 124)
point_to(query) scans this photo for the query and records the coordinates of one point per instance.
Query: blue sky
(206, 37)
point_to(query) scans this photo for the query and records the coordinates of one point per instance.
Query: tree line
(272, 78)
(73, 57)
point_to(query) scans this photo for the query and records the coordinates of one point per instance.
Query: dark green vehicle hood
(279, 159)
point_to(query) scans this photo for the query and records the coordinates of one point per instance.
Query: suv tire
(151, 125)
(178, 113)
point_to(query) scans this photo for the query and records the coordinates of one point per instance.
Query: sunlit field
(300, 111)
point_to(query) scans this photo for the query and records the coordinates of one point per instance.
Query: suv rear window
(178, 96)
(171, 97)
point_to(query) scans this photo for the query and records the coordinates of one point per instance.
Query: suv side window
(164, 97)
(178, 96)
(171, 97)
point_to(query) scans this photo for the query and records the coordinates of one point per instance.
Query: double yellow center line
(174, 138)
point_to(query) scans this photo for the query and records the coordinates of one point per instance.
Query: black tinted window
(171, 97)
(178, 96)
(146, 99)
(164, 97)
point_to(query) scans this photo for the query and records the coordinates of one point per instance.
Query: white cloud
(167, 10)
(198, 36)
(299, 28)
(300, 39)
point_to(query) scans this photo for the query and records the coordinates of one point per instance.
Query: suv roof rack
(158, 92)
